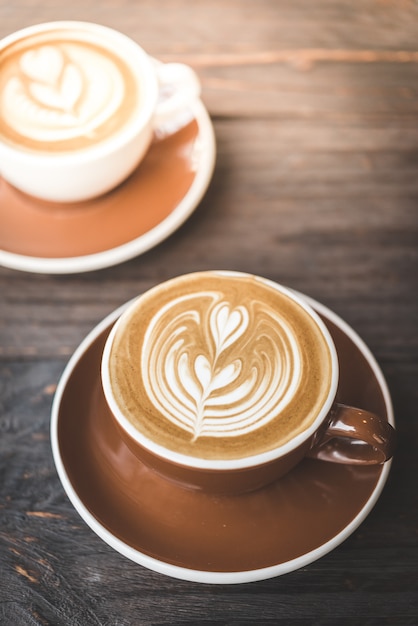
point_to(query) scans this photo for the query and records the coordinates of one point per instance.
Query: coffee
(218, 365)
(63, 90)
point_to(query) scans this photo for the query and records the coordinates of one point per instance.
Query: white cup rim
(143, 116)
(224, 464)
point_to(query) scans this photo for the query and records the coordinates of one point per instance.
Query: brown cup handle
(354, 437)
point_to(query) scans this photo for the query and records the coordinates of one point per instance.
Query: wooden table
(315, 110)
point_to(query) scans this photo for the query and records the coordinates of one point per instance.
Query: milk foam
(59, 91)
(195, 374)
(219, 366)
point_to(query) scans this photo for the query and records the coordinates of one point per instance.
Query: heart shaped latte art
(43, 65)
(219, 370)
(53, 81)
(60, 91)
(64, 94)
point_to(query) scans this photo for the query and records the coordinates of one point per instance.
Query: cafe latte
(219, 365)
(63, 90)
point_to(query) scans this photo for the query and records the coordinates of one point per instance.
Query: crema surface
(218, 366)
(63, 91)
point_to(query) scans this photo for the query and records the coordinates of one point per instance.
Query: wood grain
(315, 110)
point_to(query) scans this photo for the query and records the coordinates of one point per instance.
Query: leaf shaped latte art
(218, 370)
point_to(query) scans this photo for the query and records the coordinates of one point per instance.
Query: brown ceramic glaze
(38, 228)
(222, 482)
(202, 531)
(351, 435)
(334, 442)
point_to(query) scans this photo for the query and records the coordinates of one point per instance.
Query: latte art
(219, 366)
(195, 372)
(60, 93)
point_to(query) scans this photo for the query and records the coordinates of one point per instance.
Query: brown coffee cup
(225, 381)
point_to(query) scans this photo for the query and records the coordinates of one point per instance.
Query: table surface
(315, 110)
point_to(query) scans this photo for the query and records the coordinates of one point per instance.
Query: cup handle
(179, 87)
(354, 437)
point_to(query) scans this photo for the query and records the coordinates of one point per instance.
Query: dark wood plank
(316, 116)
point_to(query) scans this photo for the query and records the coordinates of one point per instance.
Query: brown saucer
(202, 537)
(156, 199)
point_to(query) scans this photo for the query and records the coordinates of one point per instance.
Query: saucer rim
(148, 240)
(203, 576)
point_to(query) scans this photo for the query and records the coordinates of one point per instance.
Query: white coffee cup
(79, 104)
